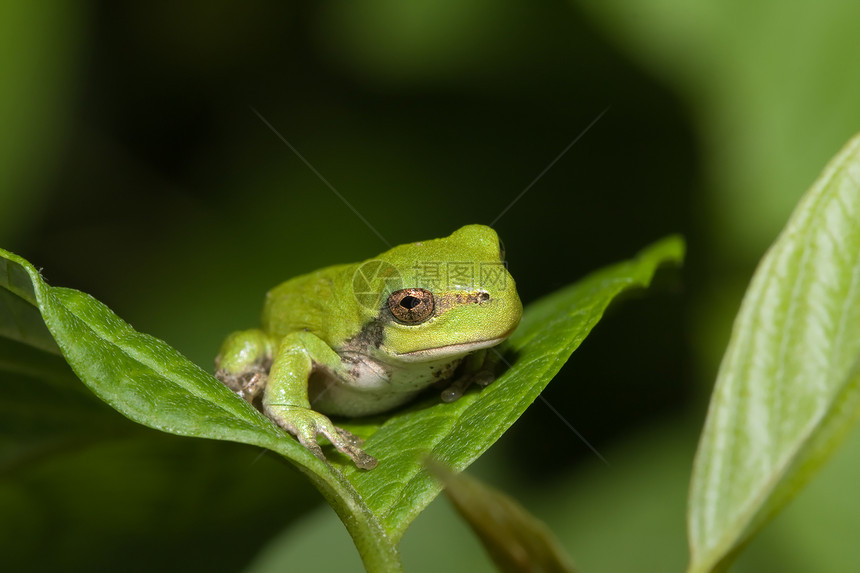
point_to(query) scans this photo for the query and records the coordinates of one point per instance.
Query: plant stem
(377, 550)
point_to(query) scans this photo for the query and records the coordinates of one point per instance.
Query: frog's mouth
(449, 351)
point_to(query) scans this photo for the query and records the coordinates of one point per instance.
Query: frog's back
(317, 302)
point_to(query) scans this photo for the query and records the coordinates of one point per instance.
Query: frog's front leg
(478, 368)
(286, 396)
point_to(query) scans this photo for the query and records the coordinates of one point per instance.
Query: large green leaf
(151, 383)
(789, 386)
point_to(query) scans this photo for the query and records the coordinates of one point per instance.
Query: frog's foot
(306, 425)
(459, 386)
(247, 384)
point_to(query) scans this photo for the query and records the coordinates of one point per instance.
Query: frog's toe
(353, 449)
(483, 378)
(313, 447)
(455, 391)
(362, 459)
(349, 444)
(350, 438)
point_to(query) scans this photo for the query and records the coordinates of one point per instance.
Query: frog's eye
(411, 305)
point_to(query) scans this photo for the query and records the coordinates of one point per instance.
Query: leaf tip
(669, 250)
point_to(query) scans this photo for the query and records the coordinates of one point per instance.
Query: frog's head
(441, 298)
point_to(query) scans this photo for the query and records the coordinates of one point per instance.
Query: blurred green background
(133, 167)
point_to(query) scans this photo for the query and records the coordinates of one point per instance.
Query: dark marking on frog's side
(370, 336)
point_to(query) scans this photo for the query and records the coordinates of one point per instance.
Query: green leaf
(151, 383)
(515, 539)
(789, 386)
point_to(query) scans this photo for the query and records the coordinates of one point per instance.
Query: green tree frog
(364, 338)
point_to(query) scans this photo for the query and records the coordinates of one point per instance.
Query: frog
(365, 338)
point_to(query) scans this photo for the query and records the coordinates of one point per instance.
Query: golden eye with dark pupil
(411, 305)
